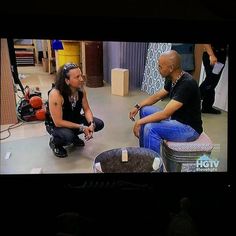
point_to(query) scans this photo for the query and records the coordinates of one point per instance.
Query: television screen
(112, 182)
(117, 76)
(119, 63)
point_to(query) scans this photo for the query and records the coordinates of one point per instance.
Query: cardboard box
(120, 81)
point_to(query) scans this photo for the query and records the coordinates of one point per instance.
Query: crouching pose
(67, 100)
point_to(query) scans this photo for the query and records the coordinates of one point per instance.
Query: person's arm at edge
(212, 56)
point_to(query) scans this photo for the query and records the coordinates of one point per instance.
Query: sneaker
(211, 111)
(58, 151)
(78, 142)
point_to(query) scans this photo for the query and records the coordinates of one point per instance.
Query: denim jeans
(152, 134)
(65, 136)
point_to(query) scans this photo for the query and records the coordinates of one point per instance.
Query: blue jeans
(152, 134)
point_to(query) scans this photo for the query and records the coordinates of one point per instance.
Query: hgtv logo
(206, 164)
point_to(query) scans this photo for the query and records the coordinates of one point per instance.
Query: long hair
(60, 83)
(62, 74)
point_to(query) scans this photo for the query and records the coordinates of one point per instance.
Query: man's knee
(144, 111)
(148, 110)
(63, 136)
(99, 124)
(148, 128)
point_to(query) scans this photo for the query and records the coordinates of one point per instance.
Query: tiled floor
(28, 143)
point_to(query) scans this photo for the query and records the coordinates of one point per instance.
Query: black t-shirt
(186, 91)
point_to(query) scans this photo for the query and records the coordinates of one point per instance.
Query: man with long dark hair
(66, 101)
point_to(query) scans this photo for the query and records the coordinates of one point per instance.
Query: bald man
(180, 120)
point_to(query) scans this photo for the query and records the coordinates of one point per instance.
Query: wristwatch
(137, 106)
(81, 128)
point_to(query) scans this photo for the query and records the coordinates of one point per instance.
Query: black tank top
(70, 113)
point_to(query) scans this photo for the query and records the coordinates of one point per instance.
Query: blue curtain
(126, 55)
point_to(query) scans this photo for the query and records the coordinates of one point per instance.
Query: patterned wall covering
(152, 80)
(126, 55)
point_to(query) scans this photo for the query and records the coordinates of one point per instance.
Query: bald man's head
(171, 58)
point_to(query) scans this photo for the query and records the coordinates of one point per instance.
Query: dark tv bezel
(131, 29)
(36, 200)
